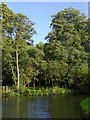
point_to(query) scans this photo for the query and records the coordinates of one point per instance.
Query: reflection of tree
(42, 107)
(17, 107)
(21, 107)
(66, 106)
(0, 108)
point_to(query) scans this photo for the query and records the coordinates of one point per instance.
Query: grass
(85, 105)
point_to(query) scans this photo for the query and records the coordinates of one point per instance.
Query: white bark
(17, 68)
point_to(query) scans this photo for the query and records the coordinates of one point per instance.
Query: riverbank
(38, 92)
(85, 108)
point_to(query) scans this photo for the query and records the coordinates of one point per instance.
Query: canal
(41, 107)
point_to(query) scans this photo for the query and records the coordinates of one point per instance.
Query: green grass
(85, 104)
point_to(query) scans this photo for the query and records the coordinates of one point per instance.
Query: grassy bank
(38, 92)
(85, 105)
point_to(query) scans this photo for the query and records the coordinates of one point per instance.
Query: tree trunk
(13, 74)
(46, 83)
(49, 82)
(28, 85)
(52, 83)
(39, 85)
(34, 84)
(17, 68)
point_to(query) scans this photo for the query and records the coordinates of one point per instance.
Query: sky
(40, 13)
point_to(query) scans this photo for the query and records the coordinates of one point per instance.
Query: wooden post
(6, 88)
(53, 90)
(3, 88)
(0, 88)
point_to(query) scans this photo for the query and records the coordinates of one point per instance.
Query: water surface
(41, 107)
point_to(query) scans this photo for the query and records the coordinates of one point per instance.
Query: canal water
(41, 107)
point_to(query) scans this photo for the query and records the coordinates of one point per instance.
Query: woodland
(61, 62)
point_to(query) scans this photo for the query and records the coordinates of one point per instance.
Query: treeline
(62, 61)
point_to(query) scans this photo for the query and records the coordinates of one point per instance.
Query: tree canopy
(62, 61)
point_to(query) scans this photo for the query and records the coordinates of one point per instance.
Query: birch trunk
(17, 68)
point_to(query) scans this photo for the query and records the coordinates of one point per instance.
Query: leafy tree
(18, 27)
(37, 57)
(57, 71)
(40, 46)
(66, 41)
(63, 61)
(69, 17)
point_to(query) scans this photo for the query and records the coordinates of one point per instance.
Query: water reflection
(0, 107)
(17, 107)
(42, 107)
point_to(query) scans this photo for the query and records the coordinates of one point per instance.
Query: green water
(41, 107)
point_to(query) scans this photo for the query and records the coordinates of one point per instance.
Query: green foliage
(62, 62)
(85, 104)
(43, 92)
(59, 91)
(0, 94)
(67, 44)
(40, 46)
(50, 91)
(16, 31)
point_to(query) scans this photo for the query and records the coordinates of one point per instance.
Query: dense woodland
(62, 61)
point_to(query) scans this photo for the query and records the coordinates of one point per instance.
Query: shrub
(69, 92)
(6, 94)
(59, 91)
(33, 92)
(85, 104)
(13, 88)
(40, 92)
(26, 92)
(51, 91)
(47, 91)
(17, 94)
(31, 88)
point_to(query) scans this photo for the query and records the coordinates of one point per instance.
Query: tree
(37, 58)
(40, 46)
(8, 44)
(23, 31)
(18, 27)
(57, 71)
(66, 41)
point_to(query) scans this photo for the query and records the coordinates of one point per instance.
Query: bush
(68, 92)
(33, 92)
(47, 91)
(59, 91)
(17, 94)
(13, 88)
(26, 92)
(31, 88)
(85, 105)
(41, 92)
(5, 93)
(51, 91)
